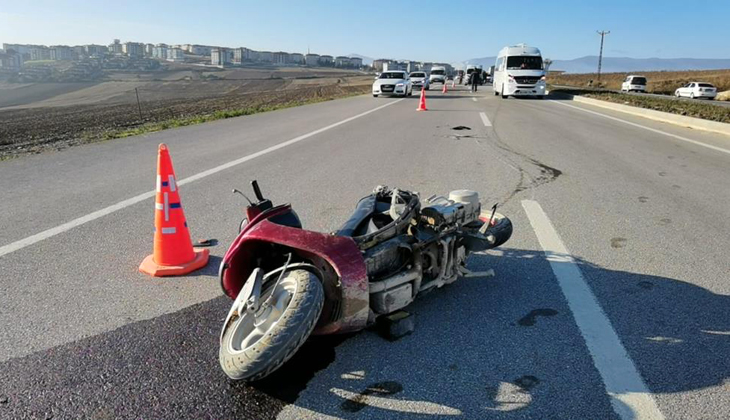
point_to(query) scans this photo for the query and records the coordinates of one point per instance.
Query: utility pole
(600, 54)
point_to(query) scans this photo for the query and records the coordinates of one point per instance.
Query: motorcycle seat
(363, 211)
(369, 216)
(371, 221)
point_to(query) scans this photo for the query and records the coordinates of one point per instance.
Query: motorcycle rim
(249, 329)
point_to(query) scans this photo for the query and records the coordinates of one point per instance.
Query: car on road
(519, 71)
(393, 83)
(634, 83)
(697, 90)
(420, 80)
(437, 74)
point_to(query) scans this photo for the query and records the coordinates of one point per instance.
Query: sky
(443, 31)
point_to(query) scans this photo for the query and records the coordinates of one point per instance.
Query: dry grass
(664, 82)
(696, 109)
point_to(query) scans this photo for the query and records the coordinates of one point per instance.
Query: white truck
(519, 71)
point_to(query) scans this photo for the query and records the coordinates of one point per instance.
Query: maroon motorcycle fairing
(337, 257)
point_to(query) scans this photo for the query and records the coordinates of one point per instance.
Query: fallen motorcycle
(289, 282)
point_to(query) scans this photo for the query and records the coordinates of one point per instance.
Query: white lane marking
(630, 397)
(474, 99)
(485, 120)
(30, 240)
(654, 130)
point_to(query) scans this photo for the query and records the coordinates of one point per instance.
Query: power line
(600, 54)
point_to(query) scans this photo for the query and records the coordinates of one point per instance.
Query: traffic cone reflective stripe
(422, 102)
(173, 250)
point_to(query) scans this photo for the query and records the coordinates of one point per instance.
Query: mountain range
(589, 64)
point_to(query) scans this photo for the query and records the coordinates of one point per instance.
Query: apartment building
(39, 52)
(281, 58)
(218, 57)
(176, 55)
(381, 63)
(326, 60)
(296, 58)
(312, 59)
(10, 59)
(160, 52)
(240, 55)
(342, 61)
(133, 49)
(116, 47)
(61, 52)
(356, 62)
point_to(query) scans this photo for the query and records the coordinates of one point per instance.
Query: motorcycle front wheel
(252, 347)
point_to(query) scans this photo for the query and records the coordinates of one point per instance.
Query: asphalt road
(643, 213)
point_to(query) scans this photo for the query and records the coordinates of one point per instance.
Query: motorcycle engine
(461, 207)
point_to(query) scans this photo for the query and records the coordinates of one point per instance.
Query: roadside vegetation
(697, 109)
(660, 82)
(217, 115)
(34, 130)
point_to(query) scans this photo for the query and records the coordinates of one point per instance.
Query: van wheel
(503, 95)
(375, 96)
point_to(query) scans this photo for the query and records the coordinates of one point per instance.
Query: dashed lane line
(485, 120)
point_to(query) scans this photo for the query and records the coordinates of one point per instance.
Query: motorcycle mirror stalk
(262, 203)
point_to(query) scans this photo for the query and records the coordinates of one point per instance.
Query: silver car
(393, 83)
(420, 80)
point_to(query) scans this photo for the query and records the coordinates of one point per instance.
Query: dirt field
(63, 116)
(664, 82)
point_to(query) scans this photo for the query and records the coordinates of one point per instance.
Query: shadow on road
(501, 364)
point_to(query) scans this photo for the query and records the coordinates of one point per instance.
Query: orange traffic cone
(444, 90)
(422, 103)
(173, 253)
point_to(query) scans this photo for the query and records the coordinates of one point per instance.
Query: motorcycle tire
(282, 339)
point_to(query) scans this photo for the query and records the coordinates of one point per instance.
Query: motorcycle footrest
(396, 325)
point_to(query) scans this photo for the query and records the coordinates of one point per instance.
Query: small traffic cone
(422, 102)
(444, 90)
(453, 83)
(173, 253)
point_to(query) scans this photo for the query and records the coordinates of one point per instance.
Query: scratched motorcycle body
(288, 282)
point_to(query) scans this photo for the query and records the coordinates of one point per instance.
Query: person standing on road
(474, 80)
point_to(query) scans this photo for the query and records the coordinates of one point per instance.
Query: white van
(437, 74)
(519, 71)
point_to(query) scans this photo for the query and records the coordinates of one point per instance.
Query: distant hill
(589, 64)
(365, 59)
